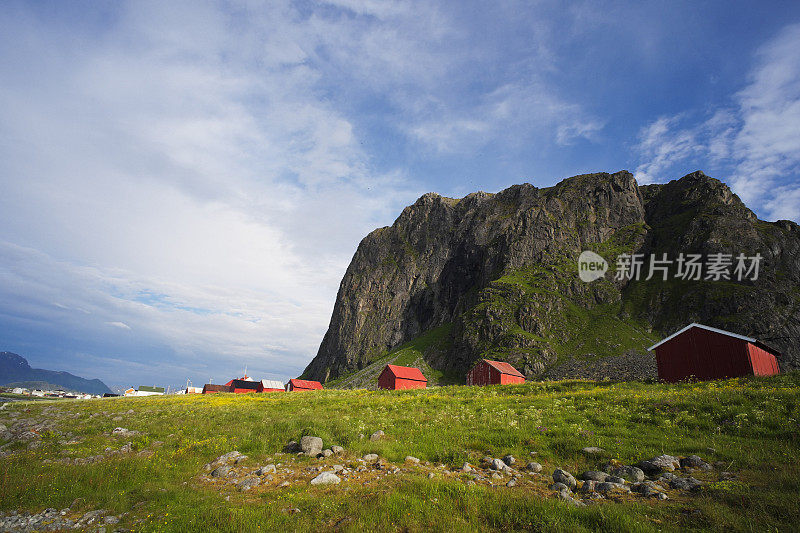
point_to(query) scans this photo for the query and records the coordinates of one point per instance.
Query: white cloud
(513, 114)
(183, 181)
(756, 142)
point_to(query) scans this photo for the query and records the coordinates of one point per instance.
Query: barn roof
(407, 372)
(305, 384)
(504, 368)
(244, 384)
(716, 330)
(271, 384)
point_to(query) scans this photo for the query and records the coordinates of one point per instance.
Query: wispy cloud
(756, 141)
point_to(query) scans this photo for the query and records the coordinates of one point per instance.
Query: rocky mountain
(15, 368)
(496, 275)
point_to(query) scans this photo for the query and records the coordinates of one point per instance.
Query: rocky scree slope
(495, 275)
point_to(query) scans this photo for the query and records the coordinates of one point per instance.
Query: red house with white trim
(488, 372)
(703, 352)
(395, 377)
(302, 385)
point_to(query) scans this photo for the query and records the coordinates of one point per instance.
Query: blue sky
(184, 183)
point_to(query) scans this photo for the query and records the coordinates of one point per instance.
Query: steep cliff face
(495, 275)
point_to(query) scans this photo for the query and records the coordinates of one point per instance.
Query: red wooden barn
(487, 372)
(210, 388)
(704, 352)
(243, 386)
(303, 384)
(401, 377)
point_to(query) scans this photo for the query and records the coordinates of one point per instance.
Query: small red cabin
(704, 352)
(303, 384)
(401, 377)
(210, 388)
(242, 386)
(488, 372)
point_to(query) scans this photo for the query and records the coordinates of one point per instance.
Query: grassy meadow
(751, 424)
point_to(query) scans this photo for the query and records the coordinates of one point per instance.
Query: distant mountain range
(15, 368)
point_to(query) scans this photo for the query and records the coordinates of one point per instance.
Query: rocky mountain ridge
(15, 368)
(496, 276)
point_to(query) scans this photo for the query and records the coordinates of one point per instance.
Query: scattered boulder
(562, 476)
(327, 452)
(534, 467)
(378, 435)
(511, 483)
(685, 483)
(221, 471)
(410, 459)
(466, 467)
(588, 486)
(497, 464)
(646, 488)
(615, 479)
(370, 457)
(509, 460)
(248, 483)
(593, 450)
(564, 495)
(337, 449)
(325, 478)
(224, 459)
(311, 445)
(667, 463)
(268, 469)
(594, 475)
(694, 461)
(630, 473)
(123, 432)
(558, 486)
(607, 487)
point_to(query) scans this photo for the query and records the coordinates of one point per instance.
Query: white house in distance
(145, 391)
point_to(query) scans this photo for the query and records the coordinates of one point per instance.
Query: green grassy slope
(751, 424)
(412, 353)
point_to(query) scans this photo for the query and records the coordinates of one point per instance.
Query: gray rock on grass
(497, 464)
(325, 478)
(370, 457)
(607, 487)
(221, 471)
(267, 469)
(337, 449)
(630, 473)
(410, 459)
(562, 476)
(593, 450)
(509, 460)
(248, 483)
(378, 435)
(534, 467)
(594, 475)
(685, 483)
(311, 445)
